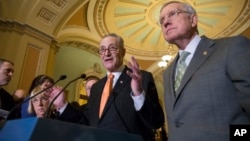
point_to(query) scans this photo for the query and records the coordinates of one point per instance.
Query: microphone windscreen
(83, 76)
(62, 77)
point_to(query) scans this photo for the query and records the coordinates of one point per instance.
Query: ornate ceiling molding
(57, 4)
(81, 45)
(99, 16)
(25, 29)
(46, 16)
(137, 22)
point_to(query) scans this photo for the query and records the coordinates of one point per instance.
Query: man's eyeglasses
(102, 51)
(172, 15)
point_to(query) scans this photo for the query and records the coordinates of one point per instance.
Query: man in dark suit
(6, 72)
(214, 91)
(133, 105)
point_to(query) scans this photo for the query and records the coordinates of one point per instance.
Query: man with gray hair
(207, 85)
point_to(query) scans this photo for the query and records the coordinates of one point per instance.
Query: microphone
(62, 77)
(51, 103)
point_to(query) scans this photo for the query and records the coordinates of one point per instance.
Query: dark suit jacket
(119, 113)
(214, 92)
(7, 102)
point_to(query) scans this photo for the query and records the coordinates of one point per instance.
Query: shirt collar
(191, 47)
(117, 72)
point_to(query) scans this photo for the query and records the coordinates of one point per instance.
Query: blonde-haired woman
(39, 104)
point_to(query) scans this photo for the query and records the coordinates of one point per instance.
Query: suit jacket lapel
(121, 82)
(202, 52)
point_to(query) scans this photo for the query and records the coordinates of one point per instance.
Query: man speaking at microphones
(125, 100)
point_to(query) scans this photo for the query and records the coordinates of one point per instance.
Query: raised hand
(136, 82)
(60, 101)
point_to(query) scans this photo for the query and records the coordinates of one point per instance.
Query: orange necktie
(106, 91)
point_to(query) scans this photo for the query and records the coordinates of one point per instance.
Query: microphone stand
(62, 77)
(51, 103)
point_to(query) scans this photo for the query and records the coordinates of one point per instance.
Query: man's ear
(123, 52)
(194, 20)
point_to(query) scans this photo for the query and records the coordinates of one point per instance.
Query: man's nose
(106, 52)
(11, 73)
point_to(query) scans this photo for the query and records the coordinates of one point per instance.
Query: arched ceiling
(137, 22)
(82, 23)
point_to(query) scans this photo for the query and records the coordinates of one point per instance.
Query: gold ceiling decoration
(137, 22)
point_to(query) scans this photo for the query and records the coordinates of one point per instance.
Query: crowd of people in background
(37, 106)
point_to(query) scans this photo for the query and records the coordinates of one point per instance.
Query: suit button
(178, 124)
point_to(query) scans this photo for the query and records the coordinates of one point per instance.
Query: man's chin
(5, 83)
(109, 67)
(170, 40)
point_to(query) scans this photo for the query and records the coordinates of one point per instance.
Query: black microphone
(62, 77)
(51, 103)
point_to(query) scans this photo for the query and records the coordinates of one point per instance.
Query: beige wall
(28, 49)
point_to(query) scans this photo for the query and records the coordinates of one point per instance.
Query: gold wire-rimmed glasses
(172, 15)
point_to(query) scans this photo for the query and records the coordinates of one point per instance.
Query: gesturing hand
(136, 82)
(60, 101)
